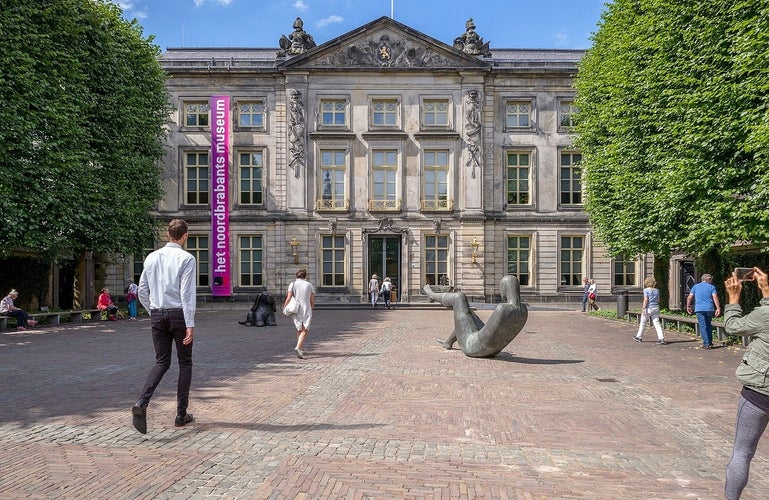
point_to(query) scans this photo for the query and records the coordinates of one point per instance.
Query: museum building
(383, 151)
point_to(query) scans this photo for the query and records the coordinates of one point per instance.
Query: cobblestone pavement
(572, 408)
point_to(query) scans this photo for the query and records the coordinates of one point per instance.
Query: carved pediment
(384, 43)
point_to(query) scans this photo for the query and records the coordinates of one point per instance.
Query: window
(625, 271)
(251, 114)
(333, 164)
(196, 114)
(251, 261)
(571, 178)
(518, 172)
(333, 112)
(436, 264)
(384, 169)
(384, 113)
(251, 177)
(196, 175)
(435, 112)
(572, 250)
(333, 250)
(198, 247)
(567, 112)
(517, 114)
(436, 180)
(518, 258)
(138, 260)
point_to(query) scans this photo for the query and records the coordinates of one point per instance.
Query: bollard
(622, 305)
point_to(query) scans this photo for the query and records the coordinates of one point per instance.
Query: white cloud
(561, 39)
(300, 5)
(329, 20)
(198, 3)
(131, 11)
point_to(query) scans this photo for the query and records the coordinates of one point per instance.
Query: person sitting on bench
(106, 304)
(7, 308)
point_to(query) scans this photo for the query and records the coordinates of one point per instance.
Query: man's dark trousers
(168, 327)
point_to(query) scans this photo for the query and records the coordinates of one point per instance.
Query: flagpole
(392, 9)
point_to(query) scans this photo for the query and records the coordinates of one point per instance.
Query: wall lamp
(294, 243)
(475, 246)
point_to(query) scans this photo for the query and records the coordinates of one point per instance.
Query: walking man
(706, 306)
(167, 292)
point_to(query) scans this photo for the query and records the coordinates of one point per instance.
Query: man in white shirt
(167, 292)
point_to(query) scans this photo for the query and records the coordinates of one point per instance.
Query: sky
(528, 24)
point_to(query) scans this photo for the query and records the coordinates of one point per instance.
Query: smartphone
(744, 273)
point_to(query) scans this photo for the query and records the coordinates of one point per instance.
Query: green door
(384, 259)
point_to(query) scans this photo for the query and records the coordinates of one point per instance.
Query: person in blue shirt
(704, 298)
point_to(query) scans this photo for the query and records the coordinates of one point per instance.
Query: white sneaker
(299, 353)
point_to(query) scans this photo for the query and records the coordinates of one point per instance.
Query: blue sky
(549, 24)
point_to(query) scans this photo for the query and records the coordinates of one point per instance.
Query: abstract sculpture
(263, 311)
(476, 339)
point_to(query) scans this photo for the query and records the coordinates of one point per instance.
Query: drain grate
(607, 380)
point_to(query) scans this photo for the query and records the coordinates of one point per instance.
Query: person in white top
(167, 291)
(386, 291)
(305, 295)
(592, 295)
(373, 289)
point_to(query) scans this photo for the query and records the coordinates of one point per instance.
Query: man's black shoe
(139, 412)
(182, 420)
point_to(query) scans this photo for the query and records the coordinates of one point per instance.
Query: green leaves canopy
(674, 125)
(84, 106)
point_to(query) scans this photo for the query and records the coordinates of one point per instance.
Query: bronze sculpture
(476, 339)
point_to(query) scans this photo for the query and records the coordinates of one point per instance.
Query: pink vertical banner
(220, 208)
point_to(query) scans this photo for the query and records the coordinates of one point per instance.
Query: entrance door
(384, 259)
(687, 281)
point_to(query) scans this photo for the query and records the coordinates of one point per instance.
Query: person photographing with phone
(753, 406)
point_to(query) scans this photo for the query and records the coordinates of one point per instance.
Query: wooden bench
(46, 316)
(678, 321)
(77, 316)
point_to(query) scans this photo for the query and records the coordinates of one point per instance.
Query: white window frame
(530, 152)
(198, 179)
(335, 101)
(426, 101)
(529, 262)
(518, 101)
(250, 102)
(195, 106)
(261, 250)
(335, 201)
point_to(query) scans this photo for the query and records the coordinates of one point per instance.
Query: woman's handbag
(293, 305)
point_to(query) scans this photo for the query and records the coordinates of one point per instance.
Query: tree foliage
(83, 114)
(674, 125)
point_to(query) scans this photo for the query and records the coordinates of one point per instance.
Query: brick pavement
(572, 408)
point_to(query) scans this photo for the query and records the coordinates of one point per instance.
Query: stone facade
(387, 151)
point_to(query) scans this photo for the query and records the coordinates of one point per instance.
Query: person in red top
(106, 304)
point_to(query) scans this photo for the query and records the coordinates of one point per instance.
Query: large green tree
(674, 125)
(83, 110)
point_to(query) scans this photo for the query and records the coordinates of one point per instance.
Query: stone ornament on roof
(297, 42)
(385, 51)
(470, 43)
